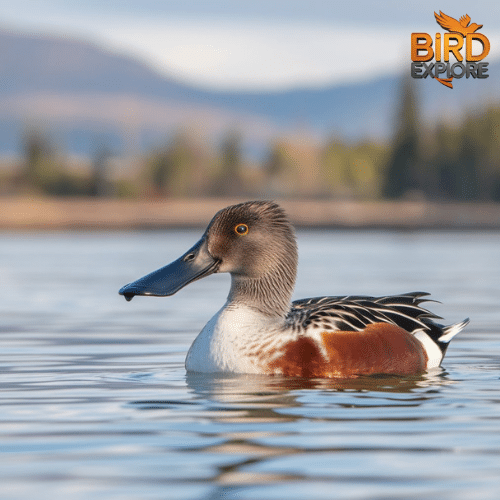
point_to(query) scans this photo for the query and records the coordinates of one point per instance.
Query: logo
(448, 46)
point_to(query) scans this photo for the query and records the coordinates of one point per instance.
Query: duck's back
(353, 335)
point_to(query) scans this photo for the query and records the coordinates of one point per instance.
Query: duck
(260, 330)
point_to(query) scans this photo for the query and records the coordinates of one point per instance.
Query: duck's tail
(450, 331)
(436, 340)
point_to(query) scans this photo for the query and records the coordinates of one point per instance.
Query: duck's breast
(233, 341)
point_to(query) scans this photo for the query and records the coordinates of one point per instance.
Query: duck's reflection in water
(259, 391)
(258, 420)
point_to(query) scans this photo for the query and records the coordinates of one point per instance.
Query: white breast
(229, 342)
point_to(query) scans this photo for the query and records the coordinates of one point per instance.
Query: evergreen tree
(229, 181)
(470, 157)
(402, 174)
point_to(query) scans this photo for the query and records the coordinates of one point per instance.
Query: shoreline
(41, 214)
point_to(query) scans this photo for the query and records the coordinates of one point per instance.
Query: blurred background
(153, 114)
(161, 100)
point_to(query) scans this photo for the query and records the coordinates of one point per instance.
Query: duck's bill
(196, 263)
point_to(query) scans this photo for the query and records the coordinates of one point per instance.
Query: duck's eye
(241, 229)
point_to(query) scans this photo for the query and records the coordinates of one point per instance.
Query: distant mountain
(82, 93)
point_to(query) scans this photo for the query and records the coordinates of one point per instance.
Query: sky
(253, 45)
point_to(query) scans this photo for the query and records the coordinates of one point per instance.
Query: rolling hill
(81, 93)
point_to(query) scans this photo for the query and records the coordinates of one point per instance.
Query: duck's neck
(269, 294)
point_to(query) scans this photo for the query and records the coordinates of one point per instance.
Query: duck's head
(254, 241)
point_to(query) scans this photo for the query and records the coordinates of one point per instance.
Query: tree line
(451, 161)
(440, 161)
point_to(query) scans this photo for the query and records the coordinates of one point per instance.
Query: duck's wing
(353, 335)
(355, 312)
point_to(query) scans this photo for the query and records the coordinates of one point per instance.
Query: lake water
(95, 402)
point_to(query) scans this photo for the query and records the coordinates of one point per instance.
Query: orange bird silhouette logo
(461, 26)
(464, 37)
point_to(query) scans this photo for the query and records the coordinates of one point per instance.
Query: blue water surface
(95, 402)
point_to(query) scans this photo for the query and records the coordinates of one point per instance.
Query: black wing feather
(355, 312)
